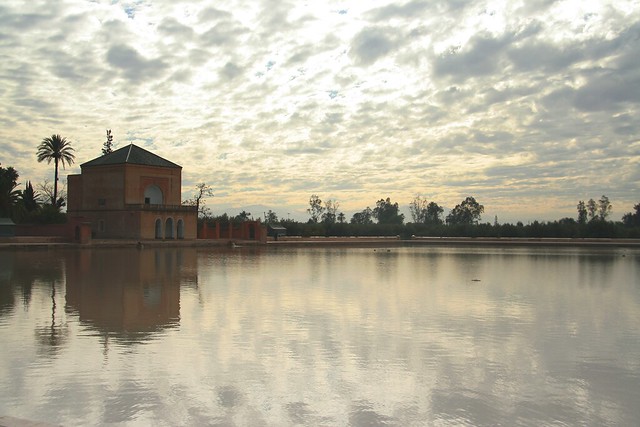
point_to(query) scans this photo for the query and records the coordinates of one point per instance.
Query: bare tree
(202, 191)
(330, 215)
(418, 209)
(315, 208)
(49, 192)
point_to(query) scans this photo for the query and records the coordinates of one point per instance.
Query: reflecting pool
(281, 336)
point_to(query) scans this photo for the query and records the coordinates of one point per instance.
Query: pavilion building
(131, 193)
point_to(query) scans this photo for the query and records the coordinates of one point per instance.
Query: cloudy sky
(529, 106)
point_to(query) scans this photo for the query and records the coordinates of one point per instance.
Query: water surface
(321, 336)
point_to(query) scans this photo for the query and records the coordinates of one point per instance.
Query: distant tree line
(28, 205)
(464, 220)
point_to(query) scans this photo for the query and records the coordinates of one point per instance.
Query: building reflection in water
(128, 294)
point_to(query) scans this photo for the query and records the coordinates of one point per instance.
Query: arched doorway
(180, 229)
(158, 228)
(152, 195)
(168, 228)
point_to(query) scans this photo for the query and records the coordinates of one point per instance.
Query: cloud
(482, 56)
(371, 44)
(133, 66)
(230, 71)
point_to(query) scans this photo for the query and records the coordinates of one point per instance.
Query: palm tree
(59, 150)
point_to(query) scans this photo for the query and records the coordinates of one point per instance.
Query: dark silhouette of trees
(331, 211)
(47, 189)
(30, 198)
(243, 216)
(59, 150)
(424, 212)
(363, 217)
(582, 212)
(9, 196)
(418, 209)
(270, 217)
(632, 219)
(592, 209)
(467, 212)
(604, 208)
(434, 214)
(387, 213)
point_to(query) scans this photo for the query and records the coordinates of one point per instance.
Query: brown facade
(248, 230)
(127, 200)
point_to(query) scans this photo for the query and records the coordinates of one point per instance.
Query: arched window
(152, 195)
(180, 227)
(158, 228)
(168, 228)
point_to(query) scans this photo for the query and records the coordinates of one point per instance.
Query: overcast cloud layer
(528, 106)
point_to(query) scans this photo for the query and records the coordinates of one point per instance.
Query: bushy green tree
(632, 219)
(469, 211)
(270, 217)
(433, 214)
(363, 217)
(387, 213)
(330, 214)
(243, 216)
(592, 209)
(582, 212)
(604, 208)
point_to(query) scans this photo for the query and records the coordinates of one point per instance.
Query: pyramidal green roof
(131, 154)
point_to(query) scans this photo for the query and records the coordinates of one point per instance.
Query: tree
(107, 147)
(387, 213)
(425, 213)
(315, 208)
(331, 207)
(341, 217)
(47, 189)
(582, 212)
(418, 209)
(8, 194)
(30, 198)
(467, 212)
(433, 214)
(202, 191)
(592, 209)
(632, 219)
(59, 150)
(243, 216)
(270, 217)
(363, 217)
(604, 208)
